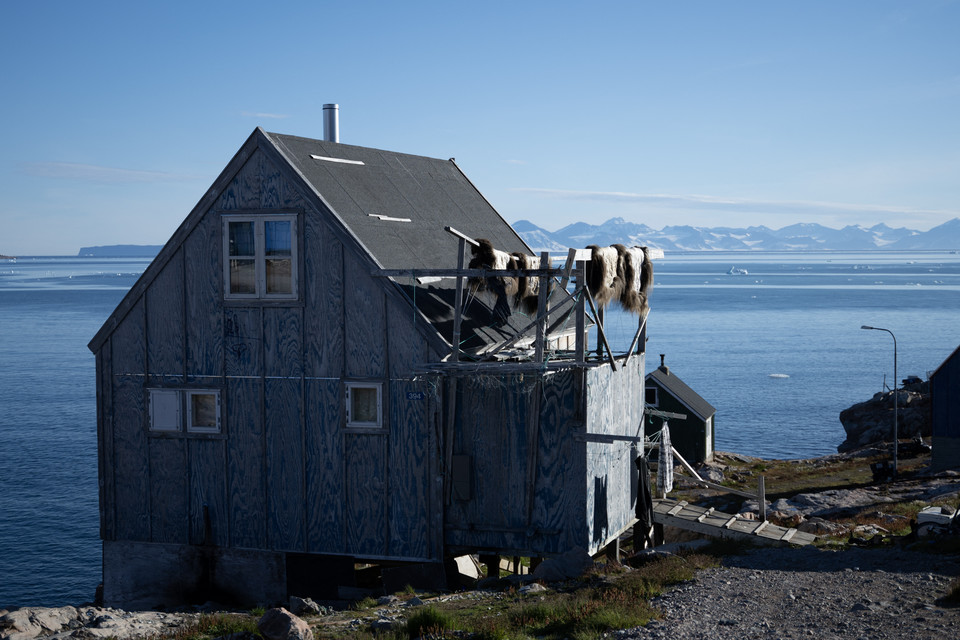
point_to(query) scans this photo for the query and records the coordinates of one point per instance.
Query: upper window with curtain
(260, 256)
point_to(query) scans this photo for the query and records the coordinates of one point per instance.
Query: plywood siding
(168, 490)
(614, 407)
(285, 466)
(165, 325)
(324, 448)
(527, 469)
(246, 466)
(204, 299)
(130, 482)
(364, 320)
(322, 287)
(209, 517)
(366, 494)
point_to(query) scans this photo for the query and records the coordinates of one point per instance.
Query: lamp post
(896, 401)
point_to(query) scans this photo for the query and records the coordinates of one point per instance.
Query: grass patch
(429, 622)
(215, 625)
(605, 600)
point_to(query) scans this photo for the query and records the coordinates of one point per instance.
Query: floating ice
(779, 375)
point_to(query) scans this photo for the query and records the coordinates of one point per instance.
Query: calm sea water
(792, 314)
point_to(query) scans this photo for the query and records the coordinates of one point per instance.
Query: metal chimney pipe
(331, 122)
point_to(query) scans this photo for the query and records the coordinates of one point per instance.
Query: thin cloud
(274, 116)
(95, 173)
(737, 205)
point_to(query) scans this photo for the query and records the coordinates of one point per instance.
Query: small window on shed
(203, 412)
(364, 404)
(651, 397)
(164, 410)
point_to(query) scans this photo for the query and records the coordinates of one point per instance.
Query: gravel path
(875, 594)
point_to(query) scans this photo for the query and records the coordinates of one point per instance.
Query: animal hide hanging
(621, 274)
(528, 288)
(638, 279)
(486, 257)
(602, 278)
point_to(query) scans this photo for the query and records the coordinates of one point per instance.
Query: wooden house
(305, 378)
(692, 436)
(945, 413)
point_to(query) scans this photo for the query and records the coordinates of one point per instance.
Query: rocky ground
(881, 592)
(877, 594)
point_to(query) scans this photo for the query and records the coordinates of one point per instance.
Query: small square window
(164, 410)
(651, 396)
(203, 412)
(364, 405)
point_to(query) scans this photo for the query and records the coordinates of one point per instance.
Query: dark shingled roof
(358, 184)
(679, 389)
(431, 193)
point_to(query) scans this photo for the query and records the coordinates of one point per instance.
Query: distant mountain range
(796, 237)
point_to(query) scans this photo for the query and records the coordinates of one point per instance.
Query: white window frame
(165, 410)
(260, 258)
(363, 424)
(171, 411)
(656, 396)
(188, 399)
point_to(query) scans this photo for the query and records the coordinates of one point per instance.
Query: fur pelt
(528, 289)
(638, 279)
(602, 274)
(621, 274)
(486, 257)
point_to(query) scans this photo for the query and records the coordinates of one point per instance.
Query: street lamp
(896, 401)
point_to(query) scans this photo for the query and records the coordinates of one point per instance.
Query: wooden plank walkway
(714, 523)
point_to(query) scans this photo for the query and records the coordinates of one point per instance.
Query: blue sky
(119, 115)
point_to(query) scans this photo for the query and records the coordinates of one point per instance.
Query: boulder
(872, 421)
(280, 624)
(302, 606)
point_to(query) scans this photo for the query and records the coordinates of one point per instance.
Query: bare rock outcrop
(872, 421)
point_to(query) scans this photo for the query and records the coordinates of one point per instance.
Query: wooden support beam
(703, 516)
(542, 310)
(603, 336)
(760, 527)
(581, 324)
(729, 523)
(458, 303)
(462, 236)
(636, 337)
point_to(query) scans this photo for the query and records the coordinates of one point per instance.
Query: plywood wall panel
(284, 470)
(246, 463)
(409, 480)
(365, 320)
(243, 341)
(131, 482)
(168, 490)
(366, 479)
(322, 285)
(243, 192)
(165, 329)
(282, 341)
(324, 448)
(204, 298)
(208, 489)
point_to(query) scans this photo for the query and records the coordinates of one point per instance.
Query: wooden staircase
(724, 525)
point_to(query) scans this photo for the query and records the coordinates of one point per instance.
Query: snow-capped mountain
(796, 237)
